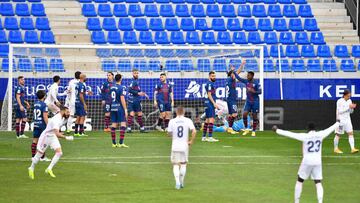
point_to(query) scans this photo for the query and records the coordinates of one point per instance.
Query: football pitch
(236, 169)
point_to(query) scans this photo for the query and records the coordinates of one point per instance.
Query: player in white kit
(311, 164)
(178, 129)
(51, 100)
(70, 100)
(344, 107)
(49, 138)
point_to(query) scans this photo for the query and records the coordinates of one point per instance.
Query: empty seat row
(32, 37)
(21, 9)
(20, 1)
(26, 23)
(37, 65)
(189, 24)
(182, 10)
(199, 1)
(34, 52)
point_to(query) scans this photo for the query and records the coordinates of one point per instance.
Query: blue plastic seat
(292, 51)
(114, 37)
(186, 65)
(355, 51)
(228, 10)
(11, 23)
(1, 25)
(98, 37)
(24, 65)
(22, 10)
(208, 1)
(41, 65)
(135, 10)
(233, 24)
(247, 54)
(47, 37)
(289, 11)
(151, 53)
(274, 11)
(100, 1)
(284, 1)
(301, 38)
(177, 1)
(183, 53)
(201, 24)
(329, 65)
(341, 51)
(224, 38)
(151, 10)
(27, 24)
(270, 38)
(166, 10)
(223, 1)
(208, 38)
(285, 66)
(5, 65)
(129, 1)
(161, 37)
(171, 24)
(15, 36)
(93, 24)
(88, 10)
(3, 38)
(82, 1)
(310, 24)
(266, 52)
(119, 53)
(109, 24)
(274, 51)
(203, 65)
(197, 10)
(270, 1)
(259, 11)
(187, 24)
(120, 10)
(218, 24)
(31, 37)
(313, 65)
(35, 52)
(235, 62)
(168, 53)
(42, 24)
(154, 65)
(182, 10)
(264, 24)
(108, 65)
(347, 65)
(280, 24)
(6, 9)
(177, 37)
(192, 1)
(239, 1)
(192, 38)
(124, 65)
(299, 1)
(295, 24)
(156, 24)
(104, 10)
(244, 10)
(286, 38)
(130, 37)
(298, 65)
(219, 65)
(317, 38)
(239, 38)
(269, 65)
(251, 65)
(212, 10)
(308, 51)
(254, 38)
(56, 65)
(141, 24)
(162, 1)
(141, 65)
(249, 24)
(172, 65)
(125, 24)
(323, 51)
(305, 11)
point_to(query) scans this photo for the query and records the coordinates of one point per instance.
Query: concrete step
(66, 24)
(337, 19)
(60, 18)
(335, 26)
(79, 53)
(346, 33)
(329, 11)
(72, 39)
(331, 5)
(63, 11)
(61, 4)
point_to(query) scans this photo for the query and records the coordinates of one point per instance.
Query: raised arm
(328, 131)
(296, 136)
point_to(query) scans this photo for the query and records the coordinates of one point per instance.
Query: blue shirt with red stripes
(133, 90)
(252, 84)
(210, 87)
(21, 91)
(105, 91)
(163, 92)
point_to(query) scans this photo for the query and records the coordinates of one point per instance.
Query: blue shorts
(107, 108)
(80, 110)
(134, 106)
(209, 111)
(252, 107)
(232, 106)
(118, 116)
(163, 107)
(37, 131)
(20, 114)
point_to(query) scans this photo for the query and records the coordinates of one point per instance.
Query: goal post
(187, 66)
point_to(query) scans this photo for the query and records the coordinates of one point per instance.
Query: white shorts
(314, 170)
(46, 141)
(72, 109)
(179, 157)
(53, 108)
(344, 127)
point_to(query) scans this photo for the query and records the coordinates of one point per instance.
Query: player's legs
(17, 126)
(352, 142)
(77, 122)
(167, 119)
(210, 130)
(130, 119)
(53, 108)
(107, 122)
(245, 121)
(55, 159)
(254, 123)
(22, 126)
(319, 190)
(205, 128)
(71, 118)
(176, 171)
(338, 131)
(159, 125)
(298, 189)
(114, 125)
(122, 134)
(81, 126)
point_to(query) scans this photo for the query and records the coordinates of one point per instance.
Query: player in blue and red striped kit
(164, 100)
(80, 106)
(20, 106)
(106, 99)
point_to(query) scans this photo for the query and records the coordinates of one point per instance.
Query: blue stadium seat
(274, 51)
(192, 1)
(120, 10)
(41, 65)
(239, 1)
(56, 65)
(145, 37)
(228, 10)
(141, 65)
(270, 38)
(186, 65)
(295, 24)
(259, 11)
(264, 24)
(244, 10)
(266, 52)
(31, 37)
(88, 10)
(247, 54)
(154, 65)
(251, 65)
(208, 38)
(24, 65)
(124, 65)
(208, 1)
(329, 65)
(299, 1)
(162, 1)
(313, 65)
(285, 66)
(42, 24)
(11, 23)
(249, 24)
(212, 10)
(286, 38)
(280, 24)
(301, 38)
(254, 1)
(114, 37)
(218, 24)
(36, 52)
(171, 24)
(53, 52)
(1, 25)
(156, 24)
(172, 65)
(183, 53)
(85, 1)
(308, 51)
(98, 37)
(93, 24)
(223, 1)
(125, 24)
(310, 24)
(235, 62)
(6, 9)
(197, 10)
(151, 53)
(22, 10)
(224, 38)
(341, 51)
(100, 1)
(177, 1)
(347, 65)
(269, 65)
(3, 38)
(292, 51)
(239, 38)
(305, 11)
(135, 10)
(151, 10)
(27, 24)
(254, 38)
(201, 24)
(233, 24)
(166, 10)
(119, 53)
(192, 38)
(130, 1)
(355, 50)
(177, 37)
(284, 1)
(5, 65)
(108, 65)
(187, 24)
(47, 37)
(109, 24)
(317, 38)
(182, 10)
(130, 37)
(141, 24)
(323, 51)
(135, 52)
(274, 11)
(104, 10)
(298, 65)
(270, 1)
(289, 11)
(161, 37)
(167, 53)
(15, 36)
(219, 65)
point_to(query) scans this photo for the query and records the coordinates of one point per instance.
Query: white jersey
(180, 127)
(312, 143)
(54, 123)
(52, 94)
(70, 98)
(343, 110)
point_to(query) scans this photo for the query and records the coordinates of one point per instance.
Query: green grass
(236, 169)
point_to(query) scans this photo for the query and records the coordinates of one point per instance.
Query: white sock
(336, 142)
(35, 160)
(319, 192)
(352, 142)
(182, 173)
(69, 122)
(176, 171)
(298, 190)
(54, 160)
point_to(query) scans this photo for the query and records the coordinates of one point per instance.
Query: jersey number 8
(180, 131)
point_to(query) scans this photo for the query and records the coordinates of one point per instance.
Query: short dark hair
(162, 74)
(134, 70)
(311, 126)
(118, 77)
(180, 110)
(20, 77)
(77, 74)
(211, 72)
(62, 108)
(230, 72)
(346, 92)
(111, 73)
(251, 73)
(56, 78)
(40, 94)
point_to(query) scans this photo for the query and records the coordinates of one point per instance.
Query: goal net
(187, 67)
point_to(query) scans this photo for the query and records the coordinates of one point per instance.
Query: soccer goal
(187, 67)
